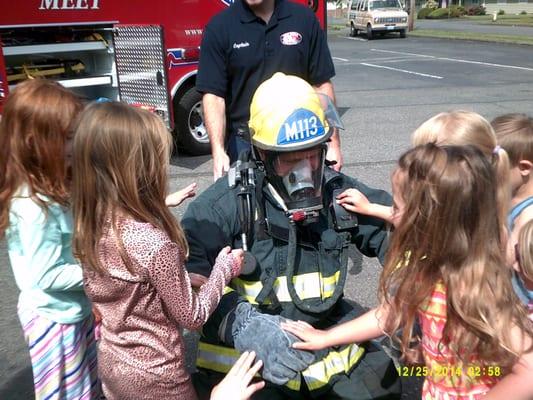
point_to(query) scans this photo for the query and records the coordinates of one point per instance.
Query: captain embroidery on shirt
(240, 45)
(290, 38)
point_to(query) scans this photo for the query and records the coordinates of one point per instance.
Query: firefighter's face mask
(297, 176)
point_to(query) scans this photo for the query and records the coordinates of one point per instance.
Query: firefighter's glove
(262, 333)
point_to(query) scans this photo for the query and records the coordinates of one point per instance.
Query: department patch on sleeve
(301, 126)
(290, 38)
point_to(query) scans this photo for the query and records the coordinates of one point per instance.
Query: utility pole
(411, 16)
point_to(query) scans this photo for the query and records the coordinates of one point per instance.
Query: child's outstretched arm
(360, 329)
(518, 385)
(173, 285)
(176, 198)
(236, 385)
(355, 201)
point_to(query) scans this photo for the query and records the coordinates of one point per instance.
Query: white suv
(377, 16)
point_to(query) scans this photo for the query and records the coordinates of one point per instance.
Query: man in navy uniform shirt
(245, 45)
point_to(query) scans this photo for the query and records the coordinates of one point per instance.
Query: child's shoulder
(23, 207)
(138, 233)
(523, 212)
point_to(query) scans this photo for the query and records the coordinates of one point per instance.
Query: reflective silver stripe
(221, 359)
(336, 362)
(307, 286)
(216, 358)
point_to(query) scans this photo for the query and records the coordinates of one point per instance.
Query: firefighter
(276, 204)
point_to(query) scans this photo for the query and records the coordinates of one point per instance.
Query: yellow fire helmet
(287, 114)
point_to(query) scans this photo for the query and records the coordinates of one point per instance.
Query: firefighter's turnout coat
(212, 222)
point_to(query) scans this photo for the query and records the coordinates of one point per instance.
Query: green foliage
(501, 12)
(424, 12)
(523, 12)
(476, 10)
(457, 11)
(439, 13)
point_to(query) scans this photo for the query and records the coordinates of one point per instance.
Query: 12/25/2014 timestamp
(450, 371)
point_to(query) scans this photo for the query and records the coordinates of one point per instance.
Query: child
(34, 216)
(523, 266)
(133, 252)
(444, 269)
(457, 128)
(515, 134)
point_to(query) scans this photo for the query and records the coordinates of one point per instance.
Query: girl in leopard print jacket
(133, 252)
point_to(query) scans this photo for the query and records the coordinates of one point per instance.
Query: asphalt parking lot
(385, 89)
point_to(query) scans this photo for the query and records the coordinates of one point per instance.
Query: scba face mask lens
(297, 176)
(299, 182)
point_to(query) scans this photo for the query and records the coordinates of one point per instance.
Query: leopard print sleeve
(171, 281)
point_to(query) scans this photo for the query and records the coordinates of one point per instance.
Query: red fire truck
(141, 52)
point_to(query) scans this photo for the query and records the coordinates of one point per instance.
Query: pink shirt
(141, 352)
(446, 378)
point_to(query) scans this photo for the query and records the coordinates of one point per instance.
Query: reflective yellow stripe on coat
(221, 359)
(307, 286)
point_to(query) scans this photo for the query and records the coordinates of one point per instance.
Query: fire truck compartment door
(141, 72)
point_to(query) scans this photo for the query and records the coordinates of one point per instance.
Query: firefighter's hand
(220, 164)
(236, 384)
(313, 339)
(176, 198)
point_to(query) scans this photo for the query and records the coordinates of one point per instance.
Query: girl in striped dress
(445, 271)
(35, 135)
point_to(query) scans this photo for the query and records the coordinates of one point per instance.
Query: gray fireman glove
(262, 333)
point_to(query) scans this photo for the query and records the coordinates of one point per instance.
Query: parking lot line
(455, 60)
(355, 38)
(403, 70)
(340, 59)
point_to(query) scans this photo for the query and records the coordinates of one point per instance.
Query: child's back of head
(120, 169)
(457, 128)
(514, 133)
(463, 128)
(35, 127)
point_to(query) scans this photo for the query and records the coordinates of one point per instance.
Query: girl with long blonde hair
(444, 269)
(133, 252)
(55, 314)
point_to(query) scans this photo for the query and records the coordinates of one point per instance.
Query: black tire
(189, 121)
(403, 33)
(353, 31)
(369, 35)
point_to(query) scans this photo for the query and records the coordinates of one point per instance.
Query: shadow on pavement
(20, 386)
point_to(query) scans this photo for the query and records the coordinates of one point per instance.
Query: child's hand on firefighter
(236, 384)
(197, 280)
(312, 339)
(355, 201)
(238, 254)
(235, 256)
(176, 198)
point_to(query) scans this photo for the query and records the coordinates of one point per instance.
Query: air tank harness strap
(339, 288)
